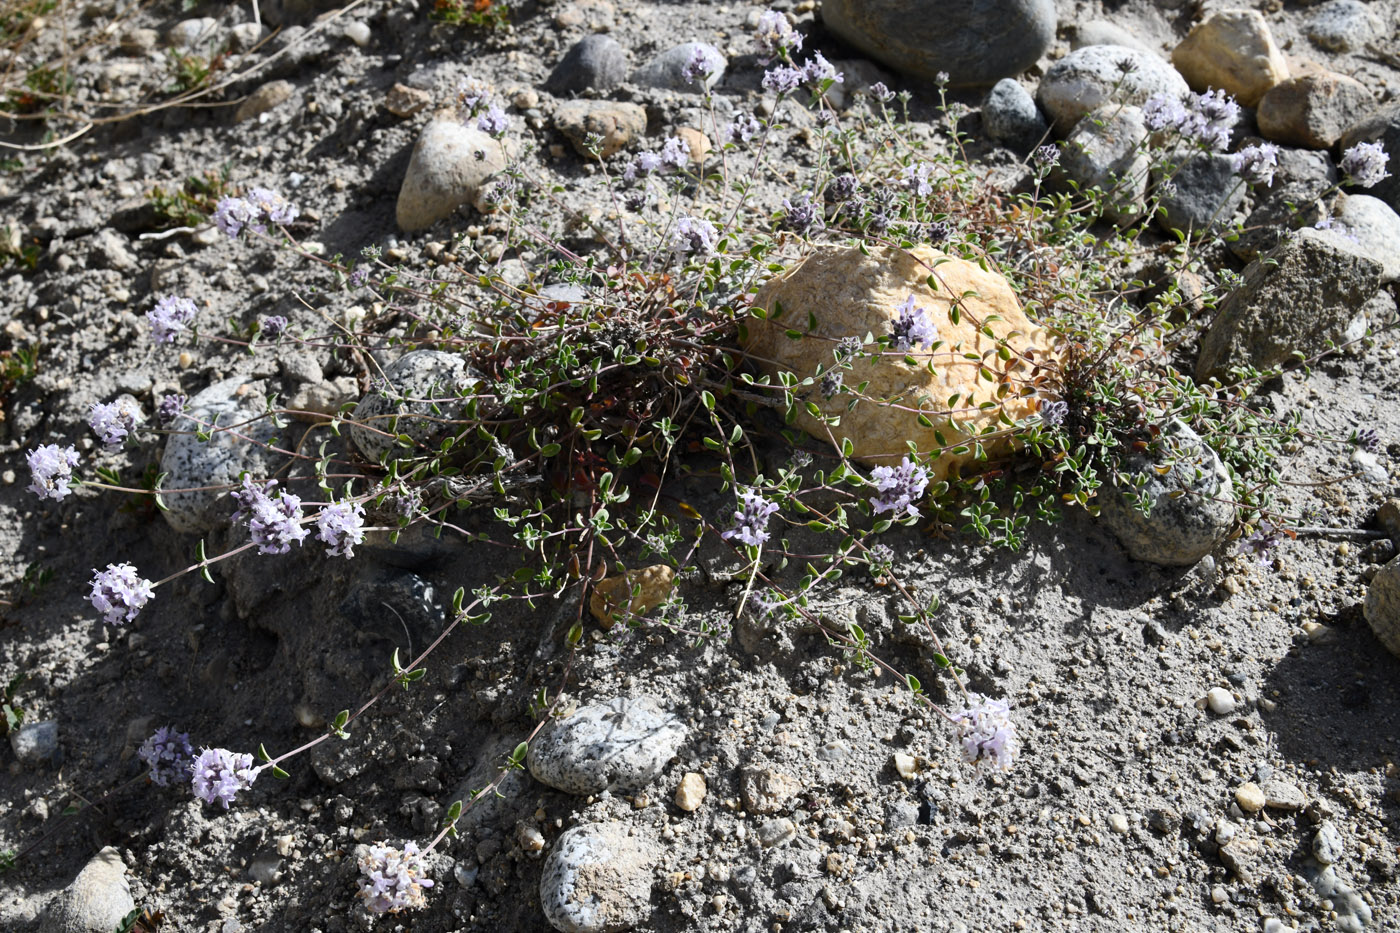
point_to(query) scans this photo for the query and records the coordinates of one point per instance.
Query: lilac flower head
(775, 35)
(272, 207)
(700, 66)
(113, 421)
(782, 79)
(1363, 165)
(358, 276)
(675, 152)
(818, 69)
(232, 214)
(1053, 411)
(167, 753)
(937, 231)
(842, 187)
(1257, 164)
(218, 774)
(912, 328)
(880, 92)
(1046, 156)
(170, 317)
(392, 879)
(52, 469)
(1261, 543)
(1368, 439)
(1213, 117)
(743, 128)
(118, 593)
(169, 408)
(986, 732)
(494, 121)
(899, 488)
(751, 519)
(693, 235)
(846, 348)
(916, 178)
(802, 215)
(1163, 111)
(273, 325)
(472, 93)
(831, 382)
(274, 524)
(342, 526)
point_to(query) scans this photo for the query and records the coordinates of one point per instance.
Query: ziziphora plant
(585, 392)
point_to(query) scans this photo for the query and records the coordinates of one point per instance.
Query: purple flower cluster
(912, 328)
(899, 488)
(842, 187)
(751, 519)
(880, 92)
(113, 421)
(1046, 156)
(493, 121)
(802, 215)
(693, 235)
(1257, 164)
(743, 128)
(51, 467)
(1363, 165)
(393, 879)
(916, 178)
(1261, 543)
(701, 66)
(119, 593)
(275, 524)
(782, 79)
(775, 35)
(272, 326)
(341, 525)
(261, 207)
(170, 317)
(1053, 411)
(818, 69)
(218, 774)
(986, 733)
(472, 93)
(168, 754)
(675, 152)
(1206, 119)
(169, 408)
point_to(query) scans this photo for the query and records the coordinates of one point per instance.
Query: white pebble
(357, 33)
(1118, 823)
(1221, 702)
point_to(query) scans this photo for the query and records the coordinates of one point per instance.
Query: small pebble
(1219, 895)
(1118, 823)
(1250, 797)
(1327, 846)
(691, 792)
(776, 832)
(906, 766)
(1220, 701)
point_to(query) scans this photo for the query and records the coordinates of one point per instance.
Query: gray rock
(450, 163)
(776, 832)
(621, 744)
(1086, 79)
(1313, 109)
(193, 33)
(667, 70)
(1303, 176)
(595, 62)
(1102, 32)
(421, 389)
(36, 743)
(95, 902)
(1381, 126)
(1382, 609)
(111, 250)
(1105, 150)
(383, 598)
(618, 125)
(219, 461)
(1353, 913)
(1204, 192)
(976, 44)
(1300, 295)
(245, 35)
(1192, 502)
(597, 879)
(1328, 846)
(1374, 227)
(1342, 26)
(1010, 116)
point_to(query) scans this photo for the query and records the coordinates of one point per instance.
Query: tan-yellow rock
(1232, 50)
(690, 792)
(849, 293)
(404, 101)
(615, 595)
(616, 125)
(698, 143)
(267, 97)
(1313, 109)
(1250, 797)
(450, 163)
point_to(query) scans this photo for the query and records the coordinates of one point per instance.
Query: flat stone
(1103, 32)
(404, 101)
(1342, 26)
(1191, 497)
(667, 70)
(219, 461)
(267, 97)
(36, 743)
(597, 879)
(620, 744)
(1328, 847)
(1297, 297)
(1250, 797)
(1205, 194)
(1105, 150)
(618, 124)
(1010, 116)
(851, 293)
(95, 902)
(1220, 701)
(765, 790)
(777, 832)
(450, 163)
(1313, 110)
(1282, 795)
(595, 62)
(421, 388)
(1232, 50)
(975, 44)
(191, 33)
(1118, 823)
(1089, 78)
(690, 793)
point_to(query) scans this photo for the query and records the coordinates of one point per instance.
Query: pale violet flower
(1363, 165)
(899, 488)
(119, 593)
(694, 235)
(392, 879)
(51, 468)
(775, 35)
(1257, 164)
(341, 525)
(986, 733)
(218, 775)
(751, 519)
(170, 317)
